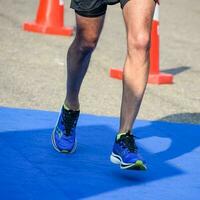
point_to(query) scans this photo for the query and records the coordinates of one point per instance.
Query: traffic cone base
(116, 73)
(160, 78)
(34, 27)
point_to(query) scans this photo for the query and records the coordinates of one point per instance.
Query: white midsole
(116, 159)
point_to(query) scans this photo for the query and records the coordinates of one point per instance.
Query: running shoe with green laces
(64, 133)
(125, 153)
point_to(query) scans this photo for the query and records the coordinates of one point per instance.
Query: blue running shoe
(125, 153)
(64, 134)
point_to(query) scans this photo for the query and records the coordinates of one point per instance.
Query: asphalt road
(32, 66)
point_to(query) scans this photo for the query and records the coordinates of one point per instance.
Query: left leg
(138, 16)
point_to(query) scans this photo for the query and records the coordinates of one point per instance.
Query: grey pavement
(33, 71)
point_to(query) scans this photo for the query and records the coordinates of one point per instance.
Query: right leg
(79, 54)
(78, 58)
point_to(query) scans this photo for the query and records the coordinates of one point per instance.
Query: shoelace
(69, 120)
(128, 141)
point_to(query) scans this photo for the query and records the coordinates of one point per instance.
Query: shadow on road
(176, 70)
(193, 118)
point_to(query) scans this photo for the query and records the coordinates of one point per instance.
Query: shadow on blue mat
(32, 169)
(184, 138)
(36, 169)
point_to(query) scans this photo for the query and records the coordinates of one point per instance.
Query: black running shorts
(93, 8)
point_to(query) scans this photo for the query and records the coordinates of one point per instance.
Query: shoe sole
(138, 165)
(62, 151)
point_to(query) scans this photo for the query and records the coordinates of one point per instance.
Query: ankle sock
(120, 134)
(67, 108)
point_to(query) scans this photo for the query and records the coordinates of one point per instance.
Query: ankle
(121, 131)
(74, 107)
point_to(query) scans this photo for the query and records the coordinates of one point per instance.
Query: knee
(139, 42)
(87, 43)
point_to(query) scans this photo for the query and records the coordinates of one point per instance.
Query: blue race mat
(31, 169)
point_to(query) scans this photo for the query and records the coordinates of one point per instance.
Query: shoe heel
(114, 160)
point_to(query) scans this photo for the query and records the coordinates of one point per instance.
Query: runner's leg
(138, 16)
(88, 30)
(79, 54)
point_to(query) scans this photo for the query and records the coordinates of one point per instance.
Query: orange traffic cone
(49, 19)
(155, 77)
